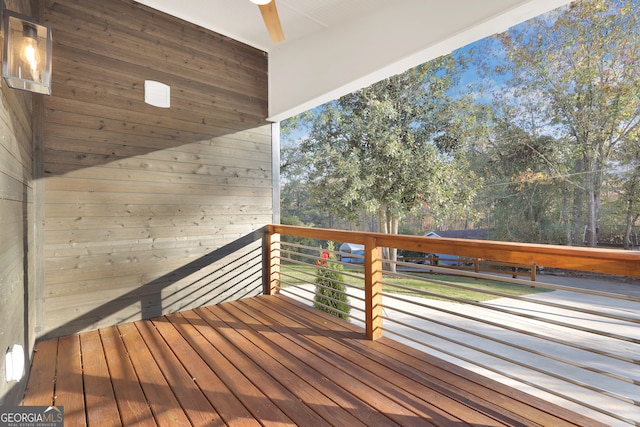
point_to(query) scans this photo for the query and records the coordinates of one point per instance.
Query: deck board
(192, 400)
(288, 355)
(43, 374)
(499, 401)
(101, 407)
(256, 368)
(487, 396)
(362, 370)
(132, 403)
(267, 361)
(69, 384)
(166, 409)
(230, 408)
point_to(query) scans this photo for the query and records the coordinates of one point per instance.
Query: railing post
(271, 263)
(373, 288)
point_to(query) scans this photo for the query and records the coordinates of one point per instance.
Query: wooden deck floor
(266, 361)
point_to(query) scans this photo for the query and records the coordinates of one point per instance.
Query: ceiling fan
(271, 19)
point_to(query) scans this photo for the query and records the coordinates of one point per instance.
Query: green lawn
(444, 286)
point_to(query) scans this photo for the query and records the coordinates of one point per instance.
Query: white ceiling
(333, 47)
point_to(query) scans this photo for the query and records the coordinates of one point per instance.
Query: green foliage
(531, 202)
(574, 75)
(374, 150)
(579, 69)
(292, 245)
(331, 294)
(627, 185)
(548, 146)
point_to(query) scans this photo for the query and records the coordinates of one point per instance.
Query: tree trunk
(632, 200)
(393, 252)
(593, 202)
(592, 221)
(632, 217)
(565, 216)
(579, 207)
(383, 227)
(389, 225)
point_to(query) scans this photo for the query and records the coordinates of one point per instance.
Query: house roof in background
(333, 47)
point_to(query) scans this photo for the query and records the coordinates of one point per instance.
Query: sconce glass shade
(26, 55)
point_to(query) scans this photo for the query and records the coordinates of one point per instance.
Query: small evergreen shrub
(331, 294)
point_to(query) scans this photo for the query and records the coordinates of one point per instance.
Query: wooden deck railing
(591, 346)
(609, 261)
(593, 260)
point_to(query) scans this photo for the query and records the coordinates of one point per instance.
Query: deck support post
(271, 263)
(373, 287)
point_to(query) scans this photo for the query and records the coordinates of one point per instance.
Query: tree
(331, 296)
(528, 195)
(581, 65)
(387, 149)
(630, 180)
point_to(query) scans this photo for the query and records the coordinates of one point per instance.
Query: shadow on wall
(14, 393)
(237, 275)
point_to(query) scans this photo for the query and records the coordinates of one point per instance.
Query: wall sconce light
(26, 53)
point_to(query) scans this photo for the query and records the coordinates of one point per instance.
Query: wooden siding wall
(136, 195)
(18, 179)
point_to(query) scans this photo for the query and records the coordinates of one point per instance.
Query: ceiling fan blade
(272, 21)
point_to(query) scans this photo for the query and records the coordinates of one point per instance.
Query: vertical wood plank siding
(135, 194)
